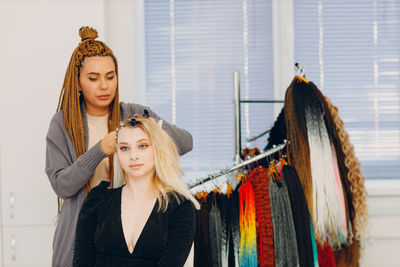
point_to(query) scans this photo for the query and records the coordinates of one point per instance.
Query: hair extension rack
(238, 101)
(237, 166)
(300, 72)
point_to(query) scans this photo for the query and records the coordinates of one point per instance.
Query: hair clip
(133, 121)
(146, 113)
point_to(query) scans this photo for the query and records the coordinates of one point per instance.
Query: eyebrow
(138, 141)
(96, 73)
(123, 143)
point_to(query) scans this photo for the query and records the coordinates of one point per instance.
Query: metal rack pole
(236, 84)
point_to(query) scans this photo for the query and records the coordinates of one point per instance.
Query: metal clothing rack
(238, 162)
(300, 71)
(238, 166)
(238, 101)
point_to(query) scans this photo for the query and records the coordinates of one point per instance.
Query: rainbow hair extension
(247, 222)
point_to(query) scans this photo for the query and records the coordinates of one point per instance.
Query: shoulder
(56, 127)
(98, 192)
(57, 119)
(99, 199)
(179, 202)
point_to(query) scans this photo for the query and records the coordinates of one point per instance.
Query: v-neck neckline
(122, 227)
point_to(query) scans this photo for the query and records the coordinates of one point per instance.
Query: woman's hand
(107, 144)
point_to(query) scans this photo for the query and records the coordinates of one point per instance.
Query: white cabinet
(1, 245)
(28, 246)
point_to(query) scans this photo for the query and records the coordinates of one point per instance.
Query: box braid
(70, 97)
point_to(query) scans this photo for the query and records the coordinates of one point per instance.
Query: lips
(103, 97)
(135, 166)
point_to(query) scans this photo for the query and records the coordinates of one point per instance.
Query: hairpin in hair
(133, 121)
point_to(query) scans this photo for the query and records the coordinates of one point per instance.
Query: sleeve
(84, 249)
(66, 177)
(182, 138)
(180, 236)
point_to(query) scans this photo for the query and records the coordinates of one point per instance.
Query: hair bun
(87, 33)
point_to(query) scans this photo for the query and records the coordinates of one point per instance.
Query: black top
(165, 240)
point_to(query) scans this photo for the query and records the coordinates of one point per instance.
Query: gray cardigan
(69, 174)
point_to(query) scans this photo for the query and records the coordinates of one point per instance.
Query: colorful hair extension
(248, 232)
(314, 244)
(326, 210)
(325, 255)
(339, 188)
(343, 170)
(348, 255)
(259, 179)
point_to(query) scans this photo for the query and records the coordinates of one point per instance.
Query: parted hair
(71, 98)
(167, 177)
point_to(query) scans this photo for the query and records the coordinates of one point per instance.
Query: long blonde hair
(167, 177)
(70, 97)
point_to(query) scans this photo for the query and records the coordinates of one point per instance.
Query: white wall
(383, 236)
(37, 40)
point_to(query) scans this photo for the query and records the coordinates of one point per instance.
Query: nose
(103, 84)
(134, 155)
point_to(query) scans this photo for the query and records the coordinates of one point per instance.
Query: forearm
(68, 179)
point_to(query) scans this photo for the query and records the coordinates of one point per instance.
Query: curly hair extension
(70, 97)
(355, 176)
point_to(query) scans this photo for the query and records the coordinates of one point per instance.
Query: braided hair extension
(355, 177)
(298, 151)
(70, 97)
(348, 255)
(278, 131)
(277, 135)
(343, 170)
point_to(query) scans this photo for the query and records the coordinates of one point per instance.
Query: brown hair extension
(298, 151)
(70, 99)
(348, 256)
(355, 176)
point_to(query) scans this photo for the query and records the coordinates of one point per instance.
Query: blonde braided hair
(69, 100)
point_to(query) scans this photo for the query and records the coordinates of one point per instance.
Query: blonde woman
(150, 219)
(81, 138)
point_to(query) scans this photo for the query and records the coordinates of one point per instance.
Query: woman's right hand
(107, 144)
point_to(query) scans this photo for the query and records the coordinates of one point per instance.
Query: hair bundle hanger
(238, 166)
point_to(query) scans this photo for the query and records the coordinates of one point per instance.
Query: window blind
(351, 51)
(192, 50)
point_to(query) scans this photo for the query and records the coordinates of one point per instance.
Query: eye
(92, 79)
(123, 148)
(111, 77)
(143, 146)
